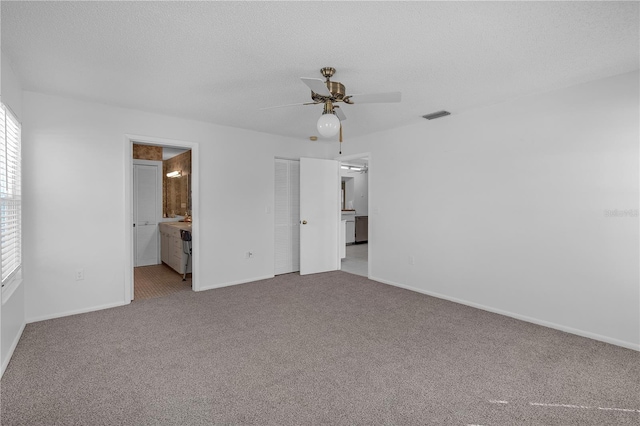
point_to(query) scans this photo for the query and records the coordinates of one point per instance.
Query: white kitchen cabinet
(351, 232)
(350, 217)
(343, 239)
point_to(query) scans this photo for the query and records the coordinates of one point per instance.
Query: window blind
(10, 195)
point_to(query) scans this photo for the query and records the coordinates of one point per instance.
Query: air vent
(435, 115)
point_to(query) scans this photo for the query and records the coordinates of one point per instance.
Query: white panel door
(147, 192)
(319, 215)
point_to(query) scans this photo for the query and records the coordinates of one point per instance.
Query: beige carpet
(157, 281)
(334, 349)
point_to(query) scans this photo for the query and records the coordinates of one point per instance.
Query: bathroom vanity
(171, 252)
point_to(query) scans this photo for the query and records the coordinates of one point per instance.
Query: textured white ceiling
(221, 61)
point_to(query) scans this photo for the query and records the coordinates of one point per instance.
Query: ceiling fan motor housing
(329, 92)
(337, 90)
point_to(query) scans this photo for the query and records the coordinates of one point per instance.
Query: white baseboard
(5, 363)
(594, 336)
(250, 280)
(76, 312)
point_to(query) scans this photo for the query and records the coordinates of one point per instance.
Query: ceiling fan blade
(288, 105)
(338, 112)
(370, 98)
(317, 85)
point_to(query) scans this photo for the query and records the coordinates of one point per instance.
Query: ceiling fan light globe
(328, 125)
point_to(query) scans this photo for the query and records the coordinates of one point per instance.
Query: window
(10, 197)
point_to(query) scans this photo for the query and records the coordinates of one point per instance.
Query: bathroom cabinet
(171, 252)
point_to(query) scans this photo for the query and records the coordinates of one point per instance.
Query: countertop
(179, 225)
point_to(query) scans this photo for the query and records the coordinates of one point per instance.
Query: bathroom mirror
(178, 196)
(177, 190)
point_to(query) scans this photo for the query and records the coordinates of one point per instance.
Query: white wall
(12, 308)
(505, 208)
(74, 154)
(11, 89)
(13, 323)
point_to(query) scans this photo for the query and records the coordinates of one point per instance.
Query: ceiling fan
(330, 93)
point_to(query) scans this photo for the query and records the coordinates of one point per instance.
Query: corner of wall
(10, 86)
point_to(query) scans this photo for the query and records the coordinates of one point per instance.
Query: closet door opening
(287, 216)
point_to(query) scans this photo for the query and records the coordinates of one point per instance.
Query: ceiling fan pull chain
(340, 138)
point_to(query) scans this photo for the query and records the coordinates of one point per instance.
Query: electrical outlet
(79, 274)
(412, 260)
(248, 255)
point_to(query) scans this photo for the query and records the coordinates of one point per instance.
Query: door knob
(304, 222)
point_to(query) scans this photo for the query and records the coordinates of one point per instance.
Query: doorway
(307, 216)
(287, 216)
(355, 188)
(161, 277)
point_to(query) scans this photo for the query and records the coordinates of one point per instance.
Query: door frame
(346, 158)
(157, 164)
(129, 140)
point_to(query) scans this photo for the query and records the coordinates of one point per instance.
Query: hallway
(357, 260)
